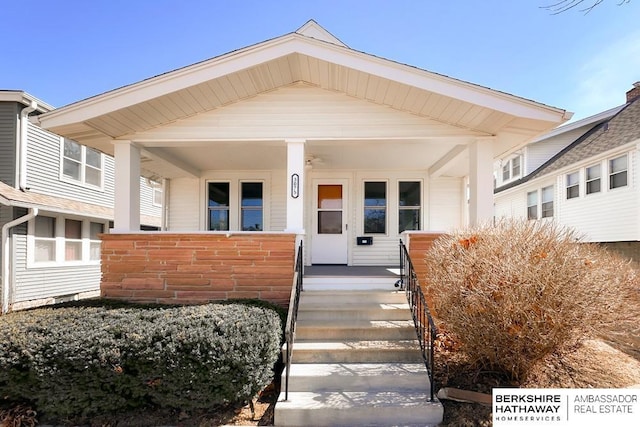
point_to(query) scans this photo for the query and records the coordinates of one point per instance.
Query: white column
(480, 181)
(295, 186)
(127, 187)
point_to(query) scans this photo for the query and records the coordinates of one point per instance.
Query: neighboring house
(56, 199)
(584, 176)
(296, 138)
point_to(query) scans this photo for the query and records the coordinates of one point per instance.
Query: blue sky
(62, 51)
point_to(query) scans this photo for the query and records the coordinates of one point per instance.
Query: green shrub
(82, 361)
(513, 293)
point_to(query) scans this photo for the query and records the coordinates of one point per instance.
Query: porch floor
(344, 270)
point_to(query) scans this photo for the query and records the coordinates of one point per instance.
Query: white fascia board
(295, 43)
(605, 115)
(25, 99)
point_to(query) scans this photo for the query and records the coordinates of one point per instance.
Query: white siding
(184, 204)
(446, 204)
(539, 152)
(146, 200)
(278, 201)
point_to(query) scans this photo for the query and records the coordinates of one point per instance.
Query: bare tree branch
(565, 5)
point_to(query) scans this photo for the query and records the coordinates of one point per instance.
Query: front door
(329, 238)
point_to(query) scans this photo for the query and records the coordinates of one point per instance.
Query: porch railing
(425, 327)
(292, 316)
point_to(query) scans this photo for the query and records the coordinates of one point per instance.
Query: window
(409, 206)
(95, 228)
(251, 206)
(218, 206)
(515, 167)
(81, 163)
(547, 202)
(506, 172)
(157, 195)
(375, 207)
(72, 240)
(593, 179)
(618, 172)
(45, 239)
(532, 205)
(573, 185)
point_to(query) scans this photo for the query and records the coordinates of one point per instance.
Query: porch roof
(312, 56)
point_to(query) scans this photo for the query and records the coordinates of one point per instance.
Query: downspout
(22, 144)
(6, 285)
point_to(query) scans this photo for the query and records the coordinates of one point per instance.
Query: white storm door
(330, 237)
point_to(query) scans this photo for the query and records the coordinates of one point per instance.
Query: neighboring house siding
(146, 199)
(446, 206)
(538, 153)
(44, 171)
(511, 205)
(8, 136)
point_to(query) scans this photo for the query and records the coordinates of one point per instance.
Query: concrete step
(343, 283)
(355, 311)
(382, 351)
(357, 408)
(357, 377)
(352, 296)
(348, 329)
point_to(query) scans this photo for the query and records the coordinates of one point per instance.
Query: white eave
(25, 99)
(587, 121)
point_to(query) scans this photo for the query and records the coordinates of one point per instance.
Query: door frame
(346, 226)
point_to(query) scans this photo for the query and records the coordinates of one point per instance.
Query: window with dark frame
(409, 205)
(375, 207)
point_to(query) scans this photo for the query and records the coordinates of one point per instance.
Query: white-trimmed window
(44, 237)
(618, 172)
(512, 168)
(218, 206)
(61, 241)
(375, 207)
(409, 205)
(547, 202)
(81, 164)
(532, 204)
(573, 185)
(593, 179)
(506, 172)
(251, 206)
(515, 166)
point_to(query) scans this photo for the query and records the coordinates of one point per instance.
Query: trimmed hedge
(84, 361)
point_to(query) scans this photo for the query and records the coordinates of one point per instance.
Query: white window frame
(610, 173)
(530, 205)
(512, 168)
(544, 202)
(60, 242)
(589, 181)
(419, 207)
(83, 165)
(365, 207)
(570, 184)
(250, 208)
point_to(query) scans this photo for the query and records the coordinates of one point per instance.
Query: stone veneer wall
(177, 268)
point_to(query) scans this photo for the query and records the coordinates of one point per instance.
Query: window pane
(71, 169)
(618, 164)
(218, 194)
(252, 220)
(547, 194)
(45, 227)
(330, 196)
(375, 194)
(219, 220)
(532, 205)
(93, 158)
(375, 220)
(409, 194)
(593, 186)
(72, 251)
(547, 202)
(157, 196)
(251, 194)
(593, 172)
(330, 222)
(515, 166)
(618, 180)
(72, 229)
(409, 220)
(45, 250)
(72, 150)
(95, 251)
(547, 210)
(95, 228)
(92, 176)
(505, 172)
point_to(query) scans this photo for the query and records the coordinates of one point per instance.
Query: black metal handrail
(425, 327)
(292, 316)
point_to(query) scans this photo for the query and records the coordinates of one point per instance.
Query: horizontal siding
(278, 201)
(146, 200)
(297, 111)
(184, 204)
(539, 152)
(44, 171)
(8, 138)
(446, 206)
(36, 283)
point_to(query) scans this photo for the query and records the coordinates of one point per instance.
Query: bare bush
(516, 292)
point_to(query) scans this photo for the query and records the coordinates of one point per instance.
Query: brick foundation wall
(177, 268)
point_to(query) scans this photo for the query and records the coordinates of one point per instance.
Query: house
(56, 198)
(581, 175)
(297, 138)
